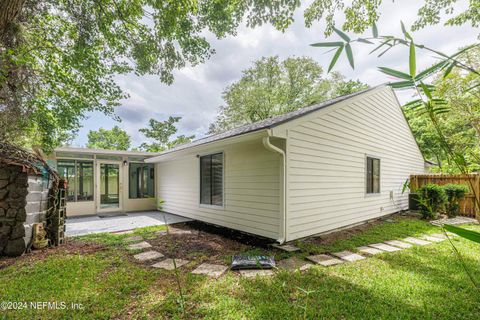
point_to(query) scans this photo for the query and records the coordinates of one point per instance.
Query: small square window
(373, 175)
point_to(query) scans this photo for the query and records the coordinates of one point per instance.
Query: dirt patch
(201, 244)
(71, 247)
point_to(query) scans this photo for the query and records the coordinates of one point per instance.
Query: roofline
(321, 106)
(104, 151)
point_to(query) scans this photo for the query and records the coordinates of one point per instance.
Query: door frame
(98, 182)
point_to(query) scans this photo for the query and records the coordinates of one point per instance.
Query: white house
(313, 170)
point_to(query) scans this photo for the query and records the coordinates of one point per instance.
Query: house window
(211, 179)
(79, 175)
(373, 175)
(141, 181)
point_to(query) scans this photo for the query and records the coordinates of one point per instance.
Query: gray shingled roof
(265, 124)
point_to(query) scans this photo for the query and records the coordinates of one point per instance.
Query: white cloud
(196, 92)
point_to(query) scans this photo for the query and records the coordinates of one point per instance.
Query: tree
(272, 87)
(113, 139)
(161, 133)
(58, 58)
(359, 15)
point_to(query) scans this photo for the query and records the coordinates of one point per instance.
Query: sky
(196, 92)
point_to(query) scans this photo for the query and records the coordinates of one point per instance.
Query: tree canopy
(272, 87)
(162, 135)
(113, 139)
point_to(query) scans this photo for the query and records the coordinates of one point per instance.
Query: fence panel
(467, 206)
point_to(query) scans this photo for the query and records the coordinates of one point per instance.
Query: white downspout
(271, 147)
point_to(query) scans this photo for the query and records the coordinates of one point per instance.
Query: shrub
(455, 193)
(431, 199)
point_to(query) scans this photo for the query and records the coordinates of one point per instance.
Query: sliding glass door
(109, 186)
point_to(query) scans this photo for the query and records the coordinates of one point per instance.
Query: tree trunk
(9, 11)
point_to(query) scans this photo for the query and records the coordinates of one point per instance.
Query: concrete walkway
(94, 224)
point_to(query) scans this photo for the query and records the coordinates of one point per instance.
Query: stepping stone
(211, 270)
(167, 264)
(384, 247)
(400, 244)
(286, 247)
(432, 239)
(133, 239)
(325, 260)
(348, 256)
(256, 273)
(140, 245)
(293, 263)
(369, 250)
(148, 255)
(179, 231)
(417, 241)
(161, 233)
(124, 232)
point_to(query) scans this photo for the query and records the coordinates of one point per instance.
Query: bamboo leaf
(364, 41)
(426, 90)
(381, 45)
(412, 103)
(342, 34)
(327, 44)
(429, 71)
(412, 60)
(449, 69)
(404, 30)
(401, 84)
(464, 233)
(348, 50)
(375, 30)
(335, 58)
(395, 73)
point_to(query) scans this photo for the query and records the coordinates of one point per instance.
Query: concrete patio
(128, 221)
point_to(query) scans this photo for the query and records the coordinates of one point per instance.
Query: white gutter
(271, 147)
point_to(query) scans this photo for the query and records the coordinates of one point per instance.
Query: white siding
(251, 189)
(326, 154)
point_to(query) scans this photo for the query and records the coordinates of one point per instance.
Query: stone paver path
(348, 256)
(148, 255)
(168, 264)
(211, 270)
(454, 221)
(179, 231)
(400, 244)
(325, 260)
(133, 239)
(384, 247)
(369, 250)
(416, 241)
(140, 245)
(286, 247)
(293, 263)
(432, 239)
(254, 273)
(439, 235)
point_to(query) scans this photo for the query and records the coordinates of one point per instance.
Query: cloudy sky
(196, 92)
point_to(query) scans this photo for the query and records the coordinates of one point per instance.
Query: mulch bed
(71, 247)
(205, 242)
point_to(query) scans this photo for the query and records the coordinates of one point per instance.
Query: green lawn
(418, 283)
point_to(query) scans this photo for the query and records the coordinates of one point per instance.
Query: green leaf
(429, 71)
(412, 60)
(381, 45)
(342, 34)
(348, 50)
(404, 30)
(473, 87)
(413, 103)
(364, 41)
(395, 73)
(402, 84)
(426, 90)
(335, 58)
(464, 233)
(449, 69)
(375, 30)
(327, 44)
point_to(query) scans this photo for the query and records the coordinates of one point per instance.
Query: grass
(418, 283)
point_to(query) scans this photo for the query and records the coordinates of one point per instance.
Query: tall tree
(272, 87)
(162, 132)
(113, 139)
(58, 58)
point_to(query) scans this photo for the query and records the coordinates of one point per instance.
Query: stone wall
(23, 201)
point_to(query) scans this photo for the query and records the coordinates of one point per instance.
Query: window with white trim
(373, 175)
(211, 179)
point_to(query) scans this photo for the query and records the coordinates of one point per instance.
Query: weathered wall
(23, 201)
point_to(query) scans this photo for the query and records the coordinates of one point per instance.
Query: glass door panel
(109, 186)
